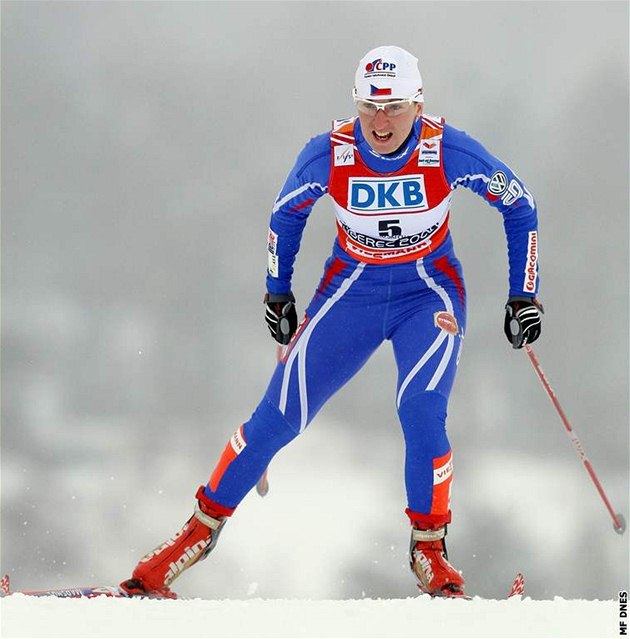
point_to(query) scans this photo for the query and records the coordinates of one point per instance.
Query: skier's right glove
(522, 320)
(281, 316)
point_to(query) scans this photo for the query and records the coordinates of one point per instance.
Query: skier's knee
(268, 423)
(423, 415)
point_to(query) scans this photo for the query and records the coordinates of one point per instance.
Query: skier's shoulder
(459, 142)
(314, 156)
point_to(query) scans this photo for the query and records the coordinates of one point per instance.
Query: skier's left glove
(523, 320)
(281, 316)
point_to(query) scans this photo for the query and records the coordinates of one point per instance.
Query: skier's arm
(306, 183)
(468, 163)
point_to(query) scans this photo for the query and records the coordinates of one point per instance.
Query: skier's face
(384, 132)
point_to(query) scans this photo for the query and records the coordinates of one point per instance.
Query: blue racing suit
(392, 275)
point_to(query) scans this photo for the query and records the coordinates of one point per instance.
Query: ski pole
(262, 486)
(619, 523)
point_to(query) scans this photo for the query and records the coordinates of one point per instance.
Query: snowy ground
(412, 617)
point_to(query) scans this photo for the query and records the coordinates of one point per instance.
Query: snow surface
(24, 616)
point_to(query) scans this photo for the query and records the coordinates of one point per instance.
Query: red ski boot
(429, 563)
(157, 570)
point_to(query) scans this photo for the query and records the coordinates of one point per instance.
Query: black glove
(281, 316)
(522, 320)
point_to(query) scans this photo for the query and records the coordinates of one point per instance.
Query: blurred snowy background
(143, 145)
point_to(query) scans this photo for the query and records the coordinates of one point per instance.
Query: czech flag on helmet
(376, 91)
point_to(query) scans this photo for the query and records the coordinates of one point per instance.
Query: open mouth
(382, 137)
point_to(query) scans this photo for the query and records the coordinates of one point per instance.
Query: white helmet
(388, 72)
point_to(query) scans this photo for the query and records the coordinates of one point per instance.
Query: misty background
(143, 145)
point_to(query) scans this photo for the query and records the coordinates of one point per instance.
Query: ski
(90, 592)
(517, 590)
(84, 592)
(518, 587)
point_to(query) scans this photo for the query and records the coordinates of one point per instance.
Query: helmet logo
(379, 65)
